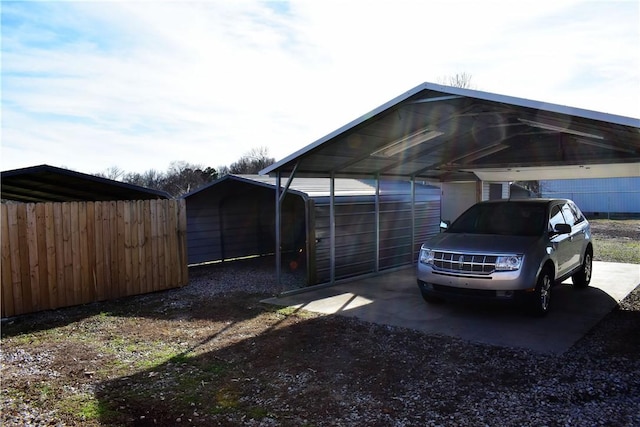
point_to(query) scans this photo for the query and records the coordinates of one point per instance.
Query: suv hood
(481, 243)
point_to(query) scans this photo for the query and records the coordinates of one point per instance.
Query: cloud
(137, 85)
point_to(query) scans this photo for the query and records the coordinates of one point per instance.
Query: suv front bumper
(498, 286)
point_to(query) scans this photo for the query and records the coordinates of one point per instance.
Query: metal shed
(376, 227)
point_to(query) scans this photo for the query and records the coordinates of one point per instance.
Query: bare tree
(252, 162)
(461, 80)
(113, 172)
(223, 170)
(180, 178)
(183, 177)
(150, 179)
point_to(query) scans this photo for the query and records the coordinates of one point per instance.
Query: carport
(233, 217)
(463, 139)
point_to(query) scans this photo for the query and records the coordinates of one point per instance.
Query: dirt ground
(616, 229)
(186, 357)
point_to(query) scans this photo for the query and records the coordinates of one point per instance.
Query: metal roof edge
(246, 179)
(538, 105)
(471, 93)
(81, 175)
(204, 187)
(353, 123)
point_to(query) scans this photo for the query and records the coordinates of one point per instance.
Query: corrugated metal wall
(356, 232)
(236, 218)
(598, 196)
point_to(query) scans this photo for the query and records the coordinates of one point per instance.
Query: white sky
(91, 85)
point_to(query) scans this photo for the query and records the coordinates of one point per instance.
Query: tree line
(183, 177)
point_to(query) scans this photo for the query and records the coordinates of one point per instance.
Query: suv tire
(430, 298)
(540, 300)
(582, 277)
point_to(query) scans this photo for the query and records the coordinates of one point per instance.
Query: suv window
(576, 213)
(555, 217)
(569, 217)
(508, 218)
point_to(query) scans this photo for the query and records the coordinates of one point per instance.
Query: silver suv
(510, 251)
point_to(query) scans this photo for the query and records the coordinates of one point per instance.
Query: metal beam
(288, 184)
(377, 214)
(332, 228)
(413, 217)
(278, 231)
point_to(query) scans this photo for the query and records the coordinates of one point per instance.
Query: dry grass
(616, 240)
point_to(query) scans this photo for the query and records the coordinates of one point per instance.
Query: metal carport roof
(443, 133)
(46, 183)
(440, 133)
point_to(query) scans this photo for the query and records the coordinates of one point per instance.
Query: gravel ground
(307, 369)
(596, 383)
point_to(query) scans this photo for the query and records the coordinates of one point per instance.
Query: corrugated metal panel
(356, 230)
(319, 187)
(605, 195)
(235, 217)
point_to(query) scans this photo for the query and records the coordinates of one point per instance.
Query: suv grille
(458, 262)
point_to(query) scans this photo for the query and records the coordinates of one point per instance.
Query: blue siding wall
(603, 195)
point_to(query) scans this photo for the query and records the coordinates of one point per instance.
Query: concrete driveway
(393, 298)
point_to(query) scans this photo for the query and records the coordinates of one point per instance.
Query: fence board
(50, 254)
(113, 248)
(128, 268)
(5, 253)
(14, 243)
(32, 245)
(59, 254)
(25, 276)
(120, 253)
(99, 252)
(160, 241)
(142, 276)
(91, 251)
(75, 254)
(41, 249)
(67, 257)
(83, 248)
(62, 254)
(153, 239)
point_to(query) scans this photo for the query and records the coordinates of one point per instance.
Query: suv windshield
(504, 218)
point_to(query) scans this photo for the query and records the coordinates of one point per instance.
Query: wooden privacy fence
(62, 254)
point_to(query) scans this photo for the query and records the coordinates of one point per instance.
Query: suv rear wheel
(541, 298)
(582, 277)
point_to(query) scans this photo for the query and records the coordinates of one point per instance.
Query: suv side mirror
(444, 225)
(562, 228)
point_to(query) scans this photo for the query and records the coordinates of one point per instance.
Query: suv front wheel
(541, 298)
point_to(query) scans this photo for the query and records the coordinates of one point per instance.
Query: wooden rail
(63, 254)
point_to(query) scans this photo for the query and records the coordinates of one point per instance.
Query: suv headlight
(509, 263)
(426, 256)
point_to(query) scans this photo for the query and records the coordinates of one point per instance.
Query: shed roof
(443, 133)
(313, 187)
(46, 183)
